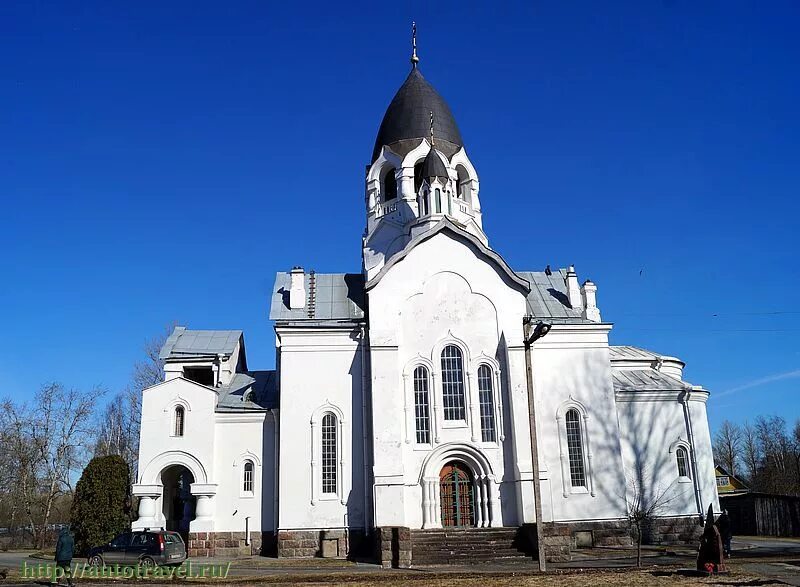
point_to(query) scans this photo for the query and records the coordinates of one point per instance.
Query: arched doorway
(178, 503)
(457, 495)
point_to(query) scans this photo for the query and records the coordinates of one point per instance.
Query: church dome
(407, 119)
(432, 166)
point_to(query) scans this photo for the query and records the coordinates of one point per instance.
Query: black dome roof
(408, 118)
(432, 166)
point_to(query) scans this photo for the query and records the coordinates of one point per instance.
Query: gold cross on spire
(414, 58)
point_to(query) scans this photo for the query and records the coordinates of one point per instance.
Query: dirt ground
(571, 578)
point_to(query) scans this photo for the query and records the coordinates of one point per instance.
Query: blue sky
(160, 161)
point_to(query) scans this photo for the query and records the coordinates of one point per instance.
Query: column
(476, 489)
(204, 512)
(485, 497)
(493, 492)
(474, 414)
(148, 499)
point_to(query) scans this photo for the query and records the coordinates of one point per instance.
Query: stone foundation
(562, 538)
(336, 543)
(393, 546)
(228, 544)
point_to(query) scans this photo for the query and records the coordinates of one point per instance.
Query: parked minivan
(146, 548)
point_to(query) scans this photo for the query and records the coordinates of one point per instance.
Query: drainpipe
(684, 399)
(532, 334)
(364, 424)
(247, 531)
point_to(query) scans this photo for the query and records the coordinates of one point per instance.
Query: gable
(448, 228)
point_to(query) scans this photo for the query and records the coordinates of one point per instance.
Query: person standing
(64, 551)
(725, 532)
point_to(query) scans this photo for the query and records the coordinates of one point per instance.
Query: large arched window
(422, 406)
(180, 421)
(389, 185)
(247, 479)
(486, 400)
(575, 448)
(682, 458)
(329, 449)
(453, 383)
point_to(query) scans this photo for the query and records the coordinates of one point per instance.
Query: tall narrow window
(453, 383)
(438, 201)
(683, 462)
(389, 185)
(421, 406)
(180, 416)
(329, 453)
(247, 481)
(575, 449)
(449, 203)
(423, 203)
(486, 399)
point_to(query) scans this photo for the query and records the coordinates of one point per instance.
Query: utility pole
(532, 334)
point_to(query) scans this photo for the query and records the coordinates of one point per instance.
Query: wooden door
(457, 496)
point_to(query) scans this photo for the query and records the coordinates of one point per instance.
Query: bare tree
(646, 502)
(120, 421)
(751, 452)
(45, 443)
(727, 446)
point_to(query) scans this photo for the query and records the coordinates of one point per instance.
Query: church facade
(400, 402)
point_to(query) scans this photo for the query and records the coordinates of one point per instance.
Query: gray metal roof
(329, 296)
(408, 119)
(263, 384)
(433, 166)
(623, 352)
(644, 380)
(548, 296)
(183, 343)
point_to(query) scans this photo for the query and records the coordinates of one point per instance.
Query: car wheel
(147, 562)
(96, 560)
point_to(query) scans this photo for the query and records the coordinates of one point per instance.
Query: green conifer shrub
(101, 506)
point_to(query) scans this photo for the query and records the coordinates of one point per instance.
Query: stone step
(467, 545)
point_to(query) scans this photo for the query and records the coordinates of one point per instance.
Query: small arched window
(682, 458)
(389, 185)
(575, 449)
(449, 203)
(423, 203)
(247, 480)
(453, 382)
(438, 201)
(486, 399)
(329, 471)
(180, 421)
(422, 406)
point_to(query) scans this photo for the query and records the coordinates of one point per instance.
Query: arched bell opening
(457, 502)
(178, 503)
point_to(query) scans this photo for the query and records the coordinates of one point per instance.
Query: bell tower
(419, 173)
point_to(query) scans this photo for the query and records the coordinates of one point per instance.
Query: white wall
(321, 370)
(653, 425)
(442, 292)
(572, 370)
(240, 437)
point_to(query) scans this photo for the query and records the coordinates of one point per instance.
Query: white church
(397, 422)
